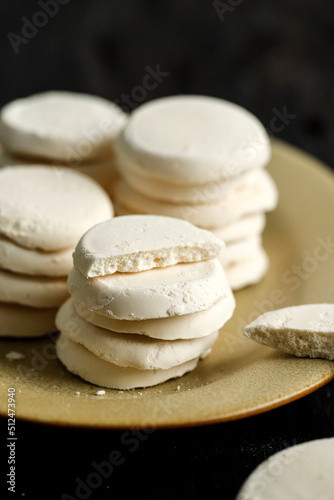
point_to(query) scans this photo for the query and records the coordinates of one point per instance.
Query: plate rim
(281, 148)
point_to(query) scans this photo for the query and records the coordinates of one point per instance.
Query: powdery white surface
(102, 170)
(95, 370)
(157, 293)
(32, 291)
(193, 139)
(259, 196)
(188, 326)
(180, 193)
(22, 321)
(241, 250)
(122, 349)
(247, 226)
(34, 262)
(304, 330)
(141, 242)
(62, 126)
(301, 472)
(49, 208)
(247, 272)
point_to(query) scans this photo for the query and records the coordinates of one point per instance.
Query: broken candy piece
(305, 330)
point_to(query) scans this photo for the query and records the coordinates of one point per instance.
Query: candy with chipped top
(138, 243)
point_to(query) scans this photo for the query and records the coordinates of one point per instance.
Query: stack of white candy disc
(43, 213)
(148, 298)
(201, 159)
(63, 128)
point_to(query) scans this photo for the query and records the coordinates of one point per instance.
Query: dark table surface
(264, 55)
(200, 462)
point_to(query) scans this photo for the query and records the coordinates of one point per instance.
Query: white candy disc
(245, 227)
(34, 262)
(247, 272)
(32, 290)
(62, 126)
(259, 196)
(180, 193)
(157, 293)
(49, 208)
(80, 361)
(22, 321)
(241, 250)
(301, 472)
(188, 326)
(193, 139)
(122, 349)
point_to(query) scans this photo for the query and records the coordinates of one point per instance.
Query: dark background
(265, 55)
(261, 54)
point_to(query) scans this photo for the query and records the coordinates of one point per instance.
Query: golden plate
(240, 378)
